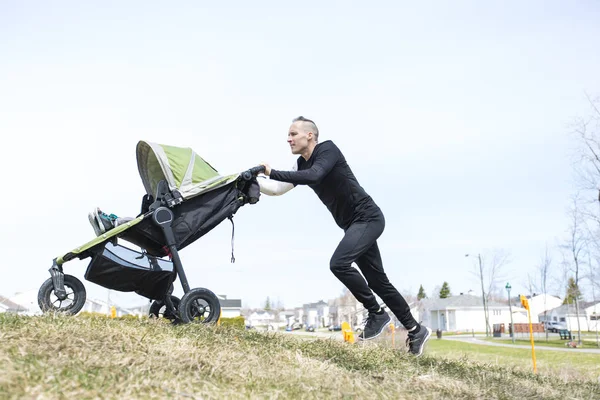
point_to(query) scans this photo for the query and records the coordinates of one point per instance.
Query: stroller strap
(232, 238)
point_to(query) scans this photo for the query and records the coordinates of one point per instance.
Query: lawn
(564, 364)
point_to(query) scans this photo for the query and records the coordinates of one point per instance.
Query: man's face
(297, 138)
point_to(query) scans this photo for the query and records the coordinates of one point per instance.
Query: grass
(56, 357)
(563, 365)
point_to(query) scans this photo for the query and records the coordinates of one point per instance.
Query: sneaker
(416, 341)
(101, 222)
(374, 325)
(94, 223)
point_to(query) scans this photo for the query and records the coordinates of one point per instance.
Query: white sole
(100, 224)
(92, 220)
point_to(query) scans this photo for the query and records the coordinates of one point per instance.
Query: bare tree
(576, 244)
(587, 160)
(544, 272)
(488, 271)
(592, 278)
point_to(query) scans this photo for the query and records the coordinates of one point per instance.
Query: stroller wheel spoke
(71, 303)
(200, 305)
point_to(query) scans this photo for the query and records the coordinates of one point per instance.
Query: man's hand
(267, 168)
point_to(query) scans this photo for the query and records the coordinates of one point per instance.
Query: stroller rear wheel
(200, 305)
(158, 309)
(71, 305)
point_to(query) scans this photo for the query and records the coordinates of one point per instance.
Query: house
(592, 310)
(6, 305)
(567, 314)
(347, 309)
(287, 317)
(27, 302)
(230, 308)
(261, 319)
(540, 304)
(102, 307)
(299, 315)
(465, 313)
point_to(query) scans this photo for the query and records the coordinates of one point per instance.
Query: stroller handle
(252, 172)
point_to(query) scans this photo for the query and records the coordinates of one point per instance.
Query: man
(322, 166)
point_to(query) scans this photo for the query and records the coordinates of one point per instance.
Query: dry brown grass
(73, 357)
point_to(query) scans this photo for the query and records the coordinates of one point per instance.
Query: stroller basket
(120, 268)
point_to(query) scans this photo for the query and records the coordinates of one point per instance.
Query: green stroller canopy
(181, 167)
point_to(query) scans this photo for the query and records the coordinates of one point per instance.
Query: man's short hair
(308, 126)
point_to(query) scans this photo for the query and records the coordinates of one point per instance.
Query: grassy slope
(67, 357)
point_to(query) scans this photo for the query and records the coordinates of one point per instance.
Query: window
(497, 312)
(594, 318)
(554, 319)
(562, 320)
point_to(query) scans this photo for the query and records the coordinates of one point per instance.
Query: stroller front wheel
(200, 305)
(71, 305)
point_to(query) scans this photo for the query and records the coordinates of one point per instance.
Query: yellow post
(220, 315)
(113, 312)
(347, 332)
(393, 329)
(526, 305)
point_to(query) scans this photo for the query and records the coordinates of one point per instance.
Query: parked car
(310, 328)
(552, 326)
(334, 328)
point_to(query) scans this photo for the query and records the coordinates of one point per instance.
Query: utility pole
(485, 310)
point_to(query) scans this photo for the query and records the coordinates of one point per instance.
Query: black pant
(360, 245)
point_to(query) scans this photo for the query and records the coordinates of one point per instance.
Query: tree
(544, 271)
(445, 291)
(488, 271)
(421, 295)
(573, 294)
(267, 304)
(575, 244)
(587, 153)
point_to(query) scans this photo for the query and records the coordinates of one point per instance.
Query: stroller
(186, 198)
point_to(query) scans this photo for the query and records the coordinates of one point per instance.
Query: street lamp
(512, 326)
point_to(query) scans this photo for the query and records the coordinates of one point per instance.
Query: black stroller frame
(160, 230)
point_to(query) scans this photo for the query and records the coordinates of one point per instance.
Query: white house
(6, 305)
(540, 304)
(261, 319)
(567, 314)
(309, 316)
(465, 313)
(346, 309)
(592, 310)
(230, 308)
(299, 315)
(27, 301)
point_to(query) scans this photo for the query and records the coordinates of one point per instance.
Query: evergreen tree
(421, 295)
(445, 291)
(573, 292)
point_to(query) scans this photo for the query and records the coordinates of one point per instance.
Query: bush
(236, 322)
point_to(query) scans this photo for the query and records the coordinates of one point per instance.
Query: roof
(10, 305)
(461, 301)
(588, 304)
(567, 309)
(234, 303)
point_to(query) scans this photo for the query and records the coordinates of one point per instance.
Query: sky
(455, 117)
